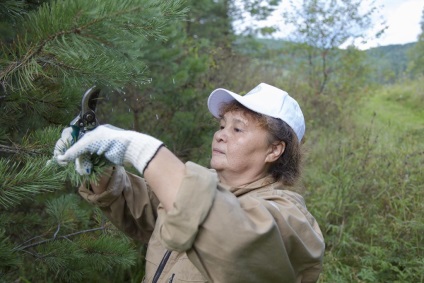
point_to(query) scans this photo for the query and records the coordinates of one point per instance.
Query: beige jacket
(257, 233)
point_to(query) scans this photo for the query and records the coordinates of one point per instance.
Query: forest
(156, 63)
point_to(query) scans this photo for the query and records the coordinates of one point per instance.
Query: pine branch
(16, 149)
(18, 180)
(20, 248)
(12, 9)
(7, 255)
(30, 174)
(86, 40)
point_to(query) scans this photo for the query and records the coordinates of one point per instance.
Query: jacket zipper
(161, 266)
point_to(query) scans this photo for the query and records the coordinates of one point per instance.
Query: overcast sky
(402, 18)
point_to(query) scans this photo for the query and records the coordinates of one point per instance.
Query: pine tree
(50, 56)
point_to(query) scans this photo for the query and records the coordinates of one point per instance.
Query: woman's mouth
(217, 151)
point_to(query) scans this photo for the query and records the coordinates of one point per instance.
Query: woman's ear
(276, 150)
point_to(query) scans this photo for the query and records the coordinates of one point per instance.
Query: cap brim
(218, 97)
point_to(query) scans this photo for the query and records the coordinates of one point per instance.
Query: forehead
(242, 111)
(240, 116)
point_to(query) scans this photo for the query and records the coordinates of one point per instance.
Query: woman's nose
(220, 135)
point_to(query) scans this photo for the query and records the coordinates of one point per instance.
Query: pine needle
(20, 180)
(81, 42)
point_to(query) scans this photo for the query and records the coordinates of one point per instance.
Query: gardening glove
(65, 142)
(118, 146)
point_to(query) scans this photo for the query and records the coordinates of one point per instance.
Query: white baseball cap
(264, 99)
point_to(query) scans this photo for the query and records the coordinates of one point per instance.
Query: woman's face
(240, 148)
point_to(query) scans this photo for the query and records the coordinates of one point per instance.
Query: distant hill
(388, 63)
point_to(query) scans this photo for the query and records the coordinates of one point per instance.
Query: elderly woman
(236, 222)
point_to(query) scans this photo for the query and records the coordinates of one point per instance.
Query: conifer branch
(42, 51)
(18, 180)
(16, 149)
(66, 237)
(37, 49)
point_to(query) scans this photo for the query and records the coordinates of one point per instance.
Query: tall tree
(321, 28)
(246, 14)
(222, 19)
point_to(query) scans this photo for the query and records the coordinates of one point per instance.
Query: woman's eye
(237, 130)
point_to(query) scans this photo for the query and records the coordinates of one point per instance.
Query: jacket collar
(255, 185)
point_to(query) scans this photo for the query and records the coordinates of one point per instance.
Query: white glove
(65, 142)
(118, 146)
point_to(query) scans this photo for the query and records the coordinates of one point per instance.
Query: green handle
(75, 133)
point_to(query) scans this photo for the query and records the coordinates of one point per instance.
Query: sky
(401, 16)
(403, 19)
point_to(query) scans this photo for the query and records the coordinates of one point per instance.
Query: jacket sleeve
(127, 202)
(246, 239)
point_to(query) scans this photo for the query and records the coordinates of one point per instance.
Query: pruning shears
(86, 119)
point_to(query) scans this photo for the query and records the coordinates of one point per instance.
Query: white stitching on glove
(117, 145)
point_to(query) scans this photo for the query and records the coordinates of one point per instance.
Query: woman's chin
(215, 164)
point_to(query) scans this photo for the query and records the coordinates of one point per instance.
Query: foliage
(320, 29)
(57, 34)
(289, 68)
(390, 63)
(68, 247)
(416, 54)
(168, 101)
(18, 179)
(56, 52)
(245, 14)
(63, 46)
(366, 191)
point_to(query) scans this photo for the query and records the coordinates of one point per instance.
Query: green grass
(397, 112)
(365, 187)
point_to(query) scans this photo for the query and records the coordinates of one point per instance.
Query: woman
(236, 222)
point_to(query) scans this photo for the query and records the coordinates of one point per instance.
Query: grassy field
(365, 185)
(399, 113)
